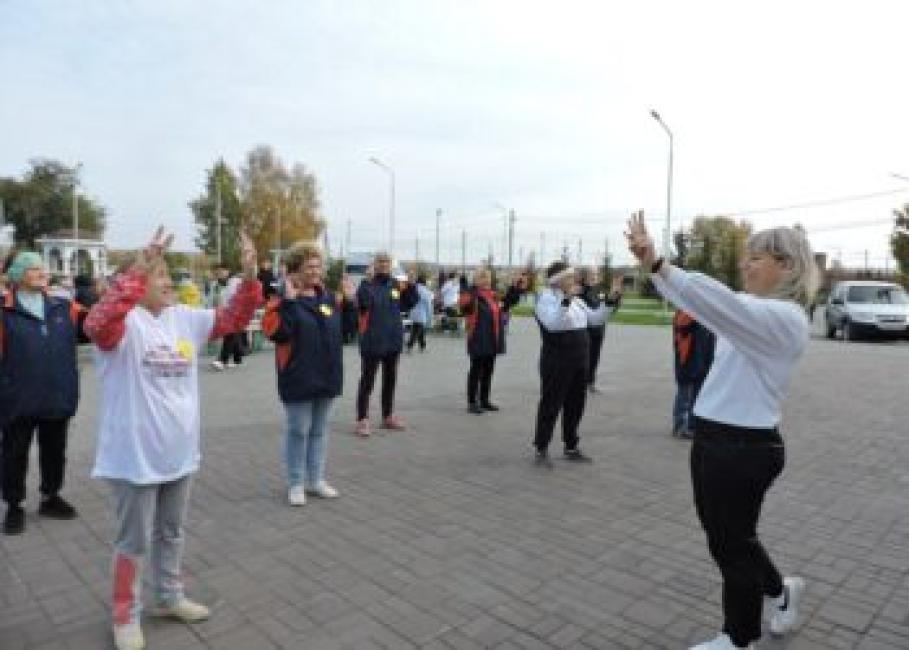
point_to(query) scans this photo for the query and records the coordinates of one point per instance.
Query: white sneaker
(128, 637)
(217, 365)
(296, 496)
(324, 490)
(721, 642)
(232, 364)
(783, 620)
(183, 610)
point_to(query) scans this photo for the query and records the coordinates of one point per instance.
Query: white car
(866, 308)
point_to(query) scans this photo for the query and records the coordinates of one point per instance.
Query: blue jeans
(306, 441)
(683, 407)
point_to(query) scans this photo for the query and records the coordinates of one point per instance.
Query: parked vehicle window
(878, 295)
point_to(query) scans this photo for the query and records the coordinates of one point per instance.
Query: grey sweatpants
(149, 520)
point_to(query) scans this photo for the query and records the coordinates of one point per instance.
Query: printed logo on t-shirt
(325, 309)
(185, 349)
(395, 294)
(164, 361)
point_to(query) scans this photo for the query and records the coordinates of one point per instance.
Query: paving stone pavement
(446, 537)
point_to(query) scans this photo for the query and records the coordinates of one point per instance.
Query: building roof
(83, 235)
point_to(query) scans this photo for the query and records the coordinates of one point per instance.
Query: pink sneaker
(394, 423)
(363, 429)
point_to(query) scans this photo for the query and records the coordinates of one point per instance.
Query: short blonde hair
(790, 246)
(297, 255)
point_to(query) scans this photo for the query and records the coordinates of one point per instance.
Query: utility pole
(218, 216)
(866, 260)
(417, 248)
(511, 220)
(542, 248)
(347, 242)
(438, 220)
(580, 251)
(464, 251)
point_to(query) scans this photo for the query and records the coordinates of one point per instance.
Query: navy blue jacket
(39, 375)
(381, 327)
(693, 348)
(307, 331)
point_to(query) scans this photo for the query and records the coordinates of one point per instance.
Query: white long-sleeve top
(556, 317)
(759, 341)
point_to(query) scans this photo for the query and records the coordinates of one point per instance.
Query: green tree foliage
(41, 202)
(899, 242)
(219, 180)
(716, 246)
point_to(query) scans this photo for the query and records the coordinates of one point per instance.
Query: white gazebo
(69, 255)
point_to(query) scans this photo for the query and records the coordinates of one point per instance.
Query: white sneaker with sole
(324, 491)
(721, 642)
(217, 365)
(128, 637)
(296, 496)
(786, 607)
(183, 610)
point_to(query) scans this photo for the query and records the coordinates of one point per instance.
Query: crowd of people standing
(734, 356)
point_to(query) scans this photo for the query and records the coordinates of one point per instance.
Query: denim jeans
(306, 441)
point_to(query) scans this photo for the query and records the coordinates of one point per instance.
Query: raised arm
(105, 324)
(248, 296)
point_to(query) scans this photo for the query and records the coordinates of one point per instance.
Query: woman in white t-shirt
(148, 438)
(737, 451)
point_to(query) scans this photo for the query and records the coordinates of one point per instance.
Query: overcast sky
(542, 107)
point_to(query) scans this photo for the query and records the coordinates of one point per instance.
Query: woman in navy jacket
(486, 319)
(305, 323)
(39, 387)
(381, 299)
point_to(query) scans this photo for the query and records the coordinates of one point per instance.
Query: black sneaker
(475, 409)
(56, 507)
(541, 459)
(489, 406)
(14, 523)
(577, 456)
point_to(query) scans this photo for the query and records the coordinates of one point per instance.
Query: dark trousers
(417, 335)
(563, 388)
(232, 346)
(596, 346)
(17, 441)
(480, 377)
(731, 470)
(368, 378)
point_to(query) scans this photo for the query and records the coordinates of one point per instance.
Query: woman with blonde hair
(738, 451)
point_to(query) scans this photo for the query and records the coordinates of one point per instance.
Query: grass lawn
(634, 311)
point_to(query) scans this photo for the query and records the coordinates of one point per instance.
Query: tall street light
(666, 232)
(76, 171)
(391, 209)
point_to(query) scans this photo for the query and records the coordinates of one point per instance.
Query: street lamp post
(76, 171)
(391, 209)
(666, 232)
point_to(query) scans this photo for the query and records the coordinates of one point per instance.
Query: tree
(899, 241)
(220, 180)
(716, 245)
(279, 206)
(681, 239)
(42, 202)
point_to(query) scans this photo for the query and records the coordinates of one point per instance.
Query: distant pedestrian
(596, 323)
(381, 300)
(692, 346)
(485, 317)
(420, 315)
(738, 451)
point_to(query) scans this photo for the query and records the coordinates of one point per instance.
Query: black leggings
(480, 376)
(731, 471)
(596, 345)
(367, 381)
(417, 334)
(17, 440)
(232, 346)
(563, 389)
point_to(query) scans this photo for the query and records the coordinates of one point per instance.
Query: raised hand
(640, 243)
(155, 250)
(292, 288)
(247, 256)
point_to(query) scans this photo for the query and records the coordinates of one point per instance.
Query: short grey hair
(791, 246)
